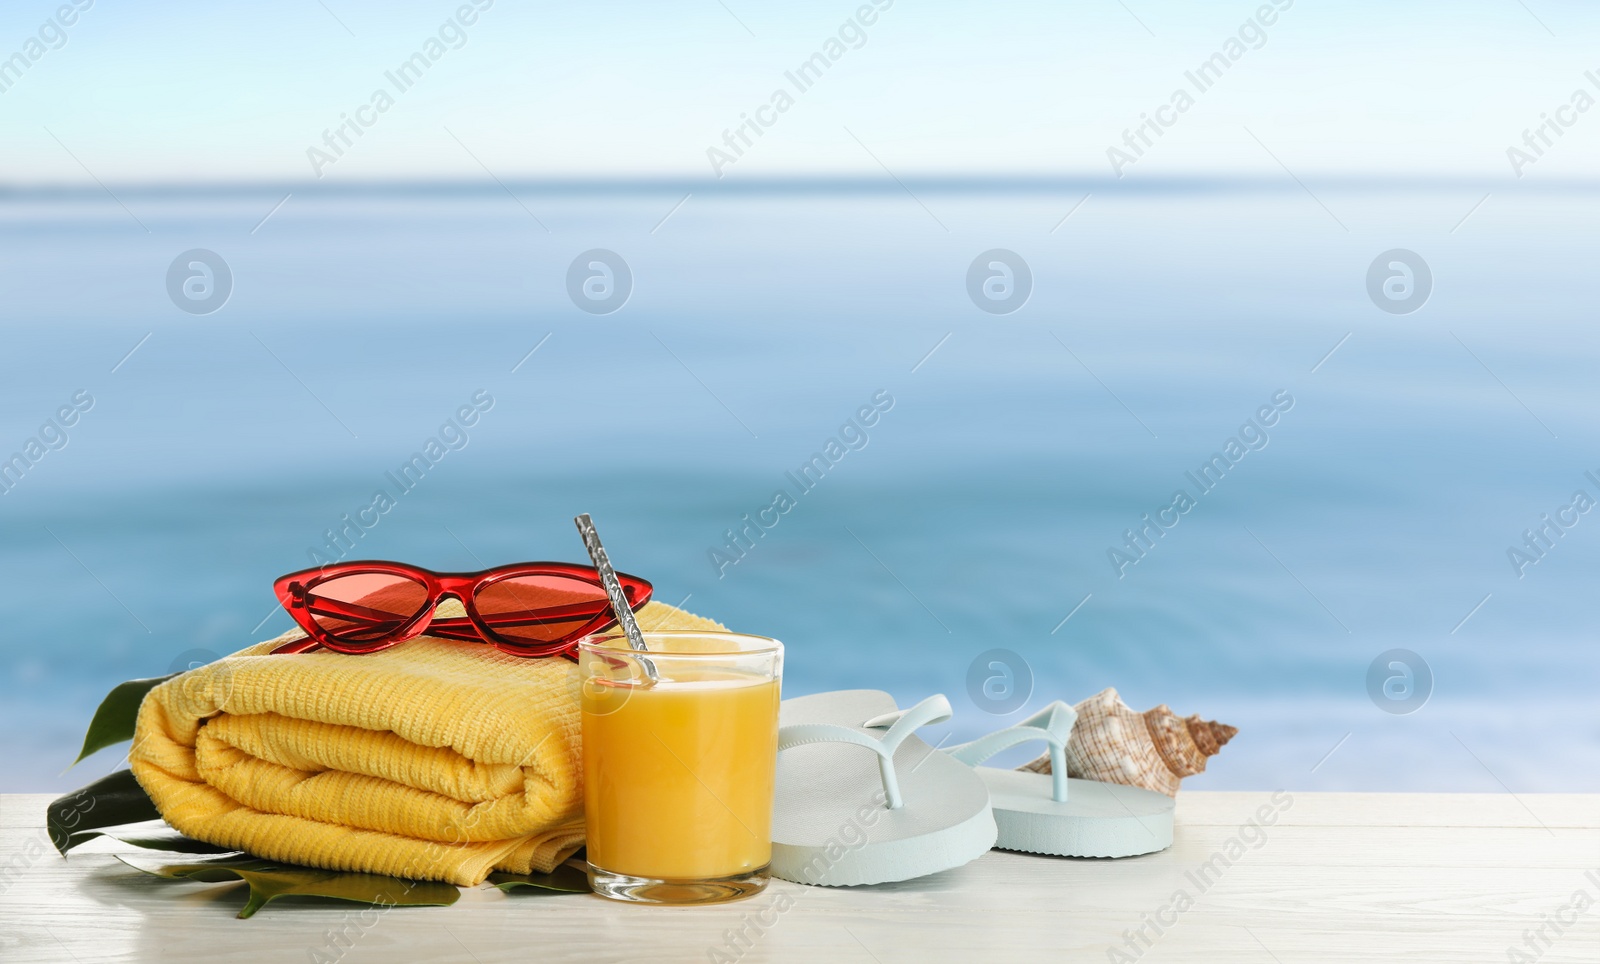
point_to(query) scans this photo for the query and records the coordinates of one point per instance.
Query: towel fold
(431, 760)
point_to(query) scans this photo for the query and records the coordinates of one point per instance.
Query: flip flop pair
(845, 817)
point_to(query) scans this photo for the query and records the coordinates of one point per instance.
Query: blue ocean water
(1405, 456)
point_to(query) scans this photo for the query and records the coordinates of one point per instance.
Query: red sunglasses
(525, 609)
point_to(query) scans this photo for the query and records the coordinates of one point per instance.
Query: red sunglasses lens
(365, 607)
(540, 608)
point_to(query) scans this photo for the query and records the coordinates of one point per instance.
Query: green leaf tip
(114, 719)
(111, 801)
(172, 843)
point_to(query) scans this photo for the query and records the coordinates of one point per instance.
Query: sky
(1416, 457)
(194, 92)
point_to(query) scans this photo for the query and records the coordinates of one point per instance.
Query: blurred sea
(977, 513)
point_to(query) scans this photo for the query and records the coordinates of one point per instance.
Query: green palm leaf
(269, 880)
(110, 801)
(567, 878)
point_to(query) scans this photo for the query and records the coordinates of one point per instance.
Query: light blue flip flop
(1053, 814)
(843, 817)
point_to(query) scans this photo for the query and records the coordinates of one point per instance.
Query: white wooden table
(1340, 877)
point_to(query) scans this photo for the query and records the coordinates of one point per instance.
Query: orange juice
(678, 773)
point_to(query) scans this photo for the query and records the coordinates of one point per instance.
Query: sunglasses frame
(291, 591)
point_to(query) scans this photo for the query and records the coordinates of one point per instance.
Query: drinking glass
(680, 745)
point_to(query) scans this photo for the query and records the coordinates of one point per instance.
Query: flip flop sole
(839, 865)
(830, 826)
(1097, 820)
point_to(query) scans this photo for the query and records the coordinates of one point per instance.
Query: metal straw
(608, 579)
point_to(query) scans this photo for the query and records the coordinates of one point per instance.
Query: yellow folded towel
(431, 760)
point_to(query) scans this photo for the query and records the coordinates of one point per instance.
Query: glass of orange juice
(680, 745)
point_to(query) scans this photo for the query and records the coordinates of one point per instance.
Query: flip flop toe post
(861, 800)
(1061, 816)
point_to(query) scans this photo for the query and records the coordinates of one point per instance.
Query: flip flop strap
(902, 723)
(1053, 724)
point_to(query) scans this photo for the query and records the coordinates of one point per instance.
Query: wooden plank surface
(1338, 877)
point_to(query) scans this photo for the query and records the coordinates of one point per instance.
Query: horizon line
(855, 184)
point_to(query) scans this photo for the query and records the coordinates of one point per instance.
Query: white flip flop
(1052, 814)
(842, 817)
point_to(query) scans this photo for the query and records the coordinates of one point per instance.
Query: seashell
(1154, 750)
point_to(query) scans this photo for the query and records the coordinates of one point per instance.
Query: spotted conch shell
(1154, 750)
